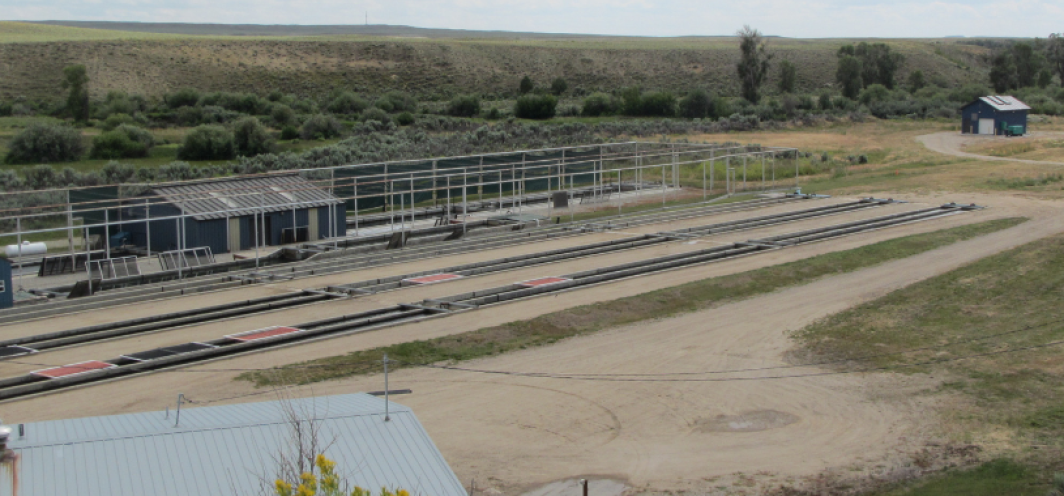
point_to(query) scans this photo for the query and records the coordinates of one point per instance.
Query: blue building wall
(215, 232)
(971, 113)
(7, 293)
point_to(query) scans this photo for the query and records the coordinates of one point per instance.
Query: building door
(234, 234)
(986, 126)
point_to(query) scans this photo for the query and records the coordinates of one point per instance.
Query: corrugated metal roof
(230, 449)
(1005, 103)
(217, 199)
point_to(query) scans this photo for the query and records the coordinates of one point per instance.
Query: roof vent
(228, 201)
(283, 193)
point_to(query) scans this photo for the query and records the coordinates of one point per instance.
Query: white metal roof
(231, 449)
(1006, 103)
(244, 196)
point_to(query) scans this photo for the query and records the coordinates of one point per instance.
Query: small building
(232, 449)
(995, 115)
(235, 214)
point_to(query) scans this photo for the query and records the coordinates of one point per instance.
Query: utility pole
(386, 416)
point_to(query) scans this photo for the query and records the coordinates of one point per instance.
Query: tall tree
(753, 63)
(1055, 54)
(848, 76)
(879, 63)
(916, 81)
(1028, 63)
(76, 79)
(1003, 72)
(788, 76)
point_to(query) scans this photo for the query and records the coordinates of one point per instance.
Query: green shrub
(658, 104)
(874, 93)
(185, 97)
(464, 106)
(384, 104)
(696, 105)
(41, 176)
(210, 142)
(289, 133)
(535, 106)
(179, 171)
(968, 93)
(321, 127)
(597, 104)
(245, 103)
(283, 115)
(250, 137)
(43, 142)
(401, 102)
(526, 86)
(118, 102)
(125, 141)
(348, 103)
(375, 114)
(404, 119)
(632, 101)
(115, 120)
(118, 173)
(189, 116)
(558, 86)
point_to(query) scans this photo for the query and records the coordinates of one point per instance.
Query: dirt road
(951, 142)
(660, 432)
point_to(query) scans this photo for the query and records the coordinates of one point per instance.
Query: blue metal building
(236, 214)
(7, 293)
(993, 115)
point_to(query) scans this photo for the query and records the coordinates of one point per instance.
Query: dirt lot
(515, 433)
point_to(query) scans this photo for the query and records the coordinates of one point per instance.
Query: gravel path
(950, 143)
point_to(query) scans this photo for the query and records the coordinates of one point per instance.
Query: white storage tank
(27, 249)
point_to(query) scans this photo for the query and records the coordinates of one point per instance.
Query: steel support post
(70, 234)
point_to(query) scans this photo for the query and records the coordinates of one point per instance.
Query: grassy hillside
(32, 57)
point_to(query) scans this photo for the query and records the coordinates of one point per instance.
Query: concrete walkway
(951, 142)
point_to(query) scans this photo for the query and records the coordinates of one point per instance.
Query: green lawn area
(1001, 477)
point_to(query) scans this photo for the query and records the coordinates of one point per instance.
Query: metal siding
(210, 233)
(7, 296)
(340, 217)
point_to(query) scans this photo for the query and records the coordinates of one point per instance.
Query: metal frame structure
(108, 268)
(403, 194)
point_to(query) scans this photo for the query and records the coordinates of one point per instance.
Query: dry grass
(32, 58)
(899, 164)
(1004, 308)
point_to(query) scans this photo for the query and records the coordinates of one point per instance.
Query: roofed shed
(237, 214)
(995, 115)
(231, 449)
